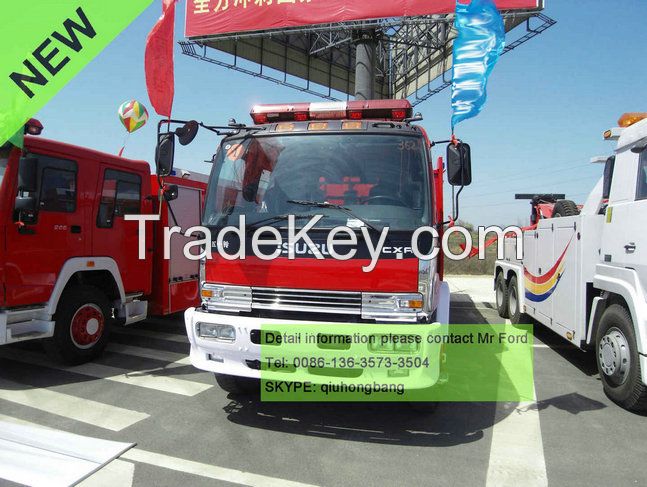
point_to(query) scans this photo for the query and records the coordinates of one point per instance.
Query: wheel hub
(87, 326)
(613, 356)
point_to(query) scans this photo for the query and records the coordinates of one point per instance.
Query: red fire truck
(360, 164)
(69, 262)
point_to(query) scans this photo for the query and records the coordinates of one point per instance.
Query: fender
(442, 311)
(624, 282)
(83, 264)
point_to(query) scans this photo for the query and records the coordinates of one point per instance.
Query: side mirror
(165, 153)
(459, 164)
(25, 209)
(171, 192)
(187, 132)
(27, 169)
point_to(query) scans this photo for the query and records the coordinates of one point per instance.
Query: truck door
(628, 221)
(640, 237)
(184, 273)
(119, 194)
(37, 250)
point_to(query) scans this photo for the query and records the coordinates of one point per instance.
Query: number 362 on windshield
(408, 145)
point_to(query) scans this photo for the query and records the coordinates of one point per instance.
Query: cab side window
(120, 195)
(641, 186)
(57, 185)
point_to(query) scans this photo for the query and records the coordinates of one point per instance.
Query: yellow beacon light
(628, 119)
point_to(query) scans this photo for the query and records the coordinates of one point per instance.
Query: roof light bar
(388, 110)
(628, 119)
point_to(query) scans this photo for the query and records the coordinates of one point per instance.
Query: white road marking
(116, 474)
(84, 410)
(517, 450)
(169, 337)
(208, 471)
(133, 378)
(175, 359)
(121, 473)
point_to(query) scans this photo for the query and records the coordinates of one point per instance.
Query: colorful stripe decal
(539, 288)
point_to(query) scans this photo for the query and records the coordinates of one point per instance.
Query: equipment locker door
(544, 259)
(120, 194)
(568, 286)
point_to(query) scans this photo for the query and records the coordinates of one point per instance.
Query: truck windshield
(380, 178)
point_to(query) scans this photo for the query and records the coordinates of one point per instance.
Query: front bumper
(242, 357)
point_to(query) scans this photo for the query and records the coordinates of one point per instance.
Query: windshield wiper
(275, 219)
(343, 209)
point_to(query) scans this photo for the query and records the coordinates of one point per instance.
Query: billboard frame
(320, 59)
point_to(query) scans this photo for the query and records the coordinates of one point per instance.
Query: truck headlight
(393, 307)
(225, 333)
(225, 298)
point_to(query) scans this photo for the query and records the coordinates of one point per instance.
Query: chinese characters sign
(213, 17)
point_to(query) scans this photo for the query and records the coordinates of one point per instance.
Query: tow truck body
(370, 161)
(69, 259)
(585, 275)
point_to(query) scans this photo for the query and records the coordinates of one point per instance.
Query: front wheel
(81, 326)
(618, 359)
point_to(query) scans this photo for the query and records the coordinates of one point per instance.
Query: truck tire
(238, 385)
(565, 208)
(514, 305)
(618, 359)
(82, 324)
(501, 291)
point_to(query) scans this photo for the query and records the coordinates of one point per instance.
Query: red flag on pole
(159, 61)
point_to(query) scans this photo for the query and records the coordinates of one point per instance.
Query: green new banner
(46, 43)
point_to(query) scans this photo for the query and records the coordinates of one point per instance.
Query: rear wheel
(514, 304)
(81, 325)
(565, 208)
(618, 359)
(238, 385)
(501, 290)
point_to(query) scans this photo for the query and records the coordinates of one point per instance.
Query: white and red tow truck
(584, 271)
(69, 262)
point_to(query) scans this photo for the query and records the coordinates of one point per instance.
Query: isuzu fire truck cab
(362, 165)
(584, 273)
(69, 262)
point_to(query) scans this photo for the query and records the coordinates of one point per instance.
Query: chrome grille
(307, 300)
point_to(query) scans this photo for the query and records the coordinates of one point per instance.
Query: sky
(549, 101)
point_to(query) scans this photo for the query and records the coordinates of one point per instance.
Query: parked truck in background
(359, 164)
(69, 263)
(584, 273)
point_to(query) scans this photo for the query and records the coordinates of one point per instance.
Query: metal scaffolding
(406, 57)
